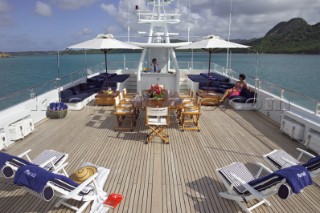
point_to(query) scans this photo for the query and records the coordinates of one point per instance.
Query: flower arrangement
(109, 91)
(156, 92)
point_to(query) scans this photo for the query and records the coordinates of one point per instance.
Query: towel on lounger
(4, 157)
(313, 160)
(35, 177)
(297, 177)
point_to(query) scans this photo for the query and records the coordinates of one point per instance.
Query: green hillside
(294, 36)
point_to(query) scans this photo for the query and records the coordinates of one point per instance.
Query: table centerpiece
(108, 91)
(156, 92)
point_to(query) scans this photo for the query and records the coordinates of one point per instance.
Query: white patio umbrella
(103, 42)
(210, 43)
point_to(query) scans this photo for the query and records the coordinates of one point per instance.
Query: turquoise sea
(298, 73)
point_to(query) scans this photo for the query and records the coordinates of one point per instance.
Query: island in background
(5, 55)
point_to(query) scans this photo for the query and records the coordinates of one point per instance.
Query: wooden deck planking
(179, 177)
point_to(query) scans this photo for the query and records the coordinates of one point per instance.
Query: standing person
(236, 89)
(154, 67)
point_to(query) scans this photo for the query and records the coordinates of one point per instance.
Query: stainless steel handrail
(216, 66)
(37, 85)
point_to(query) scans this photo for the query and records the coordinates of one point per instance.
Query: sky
(29, 25)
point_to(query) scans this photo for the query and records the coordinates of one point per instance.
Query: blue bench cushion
(58, 106)
(245, 96)
(215, 77)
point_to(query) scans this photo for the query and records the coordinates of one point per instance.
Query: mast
(229, 32)
(158, 19)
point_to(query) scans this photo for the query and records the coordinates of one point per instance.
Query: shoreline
(5, 55)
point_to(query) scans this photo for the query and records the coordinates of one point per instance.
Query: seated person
(235, 91)
(154, 67)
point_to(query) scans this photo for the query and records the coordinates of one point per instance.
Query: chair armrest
(25, 154)
(131, 109)
(254, 192)
(261, 168)
(304, 152)
(84, 184)
(61, 169)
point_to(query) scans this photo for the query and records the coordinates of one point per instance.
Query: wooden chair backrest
(116, 101)
(124, 91)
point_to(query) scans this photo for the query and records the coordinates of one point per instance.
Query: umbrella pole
(58, 79)
(209, 70)
(105, 61)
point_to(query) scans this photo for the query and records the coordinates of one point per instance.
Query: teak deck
(178, 177)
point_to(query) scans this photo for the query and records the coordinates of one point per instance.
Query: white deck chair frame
(74, 194)
(232, 194)
(288, 161)
(47, 163)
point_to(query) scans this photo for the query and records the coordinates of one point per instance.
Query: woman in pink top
(236, 89)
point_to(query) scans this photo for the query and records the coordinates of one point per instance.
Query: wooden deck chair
(157, 119)
(236, 178)
(124, 100)
(47, 159)
(190, 116)
(127, 95)
(123, 110)
(279, 159)
(187, 98)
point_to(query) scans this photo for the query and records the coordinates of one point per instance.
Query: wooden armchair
(187, 98)
(127, 95)
(190, 116)
(122, 111)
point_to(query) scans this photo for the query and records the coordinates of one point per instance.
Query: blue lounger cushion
(36, 178)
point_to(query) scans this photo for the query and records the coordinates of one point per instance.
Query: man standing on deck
(154, 67)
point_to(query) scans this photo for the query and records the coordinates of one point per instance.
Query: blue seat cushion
(226, 85)
(66, 93)
(238, 99)
(57, 106)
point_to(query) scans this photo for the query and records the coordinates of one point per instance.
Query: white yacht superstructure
(158, 46)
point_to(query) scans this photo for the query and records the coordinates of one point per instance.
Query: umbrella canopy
(210, 43)
(103, 42)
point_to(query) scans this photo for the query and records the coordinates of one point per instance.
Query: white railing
(278, 91)
(282, 93)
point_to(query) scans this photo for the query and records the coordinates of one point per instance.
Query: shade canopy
(103, 42)
(212, 42)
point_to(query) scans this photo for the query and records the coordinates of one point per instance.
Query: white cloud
(73, 4)
(5, 18)
(109, 8)
(4, 6)
(85, 31)
(42, 9)
(250, 18)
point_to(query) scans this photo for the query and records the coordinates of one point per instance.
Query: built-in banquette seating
(219, 84)
(75, 96)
